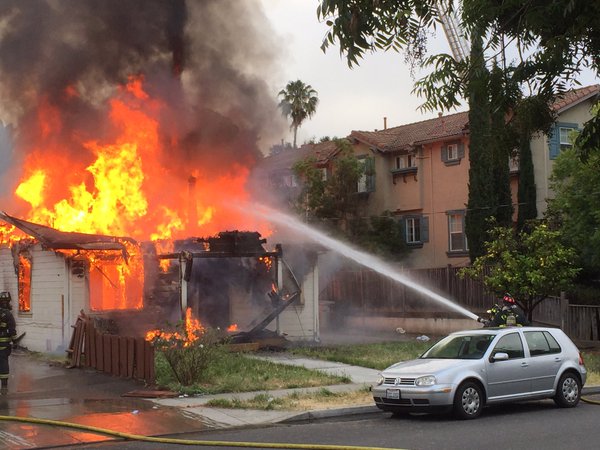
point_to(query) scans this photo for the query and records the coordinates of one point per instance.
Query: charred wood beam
(207, 255)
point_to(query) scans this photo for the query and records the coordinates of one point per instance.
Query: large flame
(124, 188)
(119, 183)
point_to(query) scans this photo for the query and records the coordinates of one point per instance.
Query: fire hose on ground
(136, 437)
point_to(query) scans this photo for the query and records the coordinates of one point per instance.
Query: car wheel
(468, 401)
(568, 390)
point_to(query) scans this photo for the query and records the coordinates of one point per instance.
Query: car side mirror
(500, 356)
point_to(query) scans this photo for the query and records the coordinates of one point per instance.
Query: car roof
(503, 330)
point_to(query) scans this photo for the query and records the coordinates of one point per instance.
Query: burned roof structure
(54, 239)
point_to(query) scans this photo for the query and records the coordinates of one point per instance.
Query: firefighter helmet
(508, 299)
(5, 299)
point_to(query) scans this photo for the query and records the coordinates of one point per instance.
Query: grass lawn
(235, 372)
(322, 399)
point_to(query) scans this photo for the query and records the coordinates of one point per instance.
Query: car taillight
(581, 362)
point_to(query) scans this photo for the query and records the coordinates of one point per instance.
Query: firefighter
(7, 334)
(508, 315)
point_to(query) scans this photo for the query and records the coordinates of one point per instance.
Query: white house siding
(8, 276)
(43, 325)
(300, 322)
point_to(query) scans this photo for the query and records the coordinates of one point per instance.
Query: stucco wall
(8, 276)
(542, 163)
(444, 188)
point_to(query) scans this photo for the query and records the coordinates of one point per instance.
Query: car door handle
(524, 364)
(558, 359)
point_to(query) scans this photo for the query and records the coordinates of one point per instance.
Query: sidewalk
(225, 417)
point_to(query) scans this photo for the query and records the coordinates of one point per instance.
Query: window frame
(568, 143)
(464, 248)
(510, 357)
(366, 182)
(24, 298)
(454, 148)
(551, 349)
(412, 226)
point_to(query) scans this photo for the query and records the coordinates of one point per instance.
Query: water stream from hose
(362, 258)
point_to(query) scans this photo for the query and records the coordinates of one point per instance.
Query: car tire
(468, 401)
(568, 390)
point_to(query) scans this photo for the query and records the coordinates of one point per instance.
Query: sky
(349, 99)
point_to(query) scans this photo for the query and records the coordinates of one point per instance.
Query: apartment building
(420, 172)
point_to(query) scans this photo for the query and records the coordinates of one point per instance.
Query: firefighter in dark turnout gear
(509, 314)
(7, 334)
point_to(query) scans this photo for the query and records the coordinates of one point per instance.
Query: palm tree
(298, 101)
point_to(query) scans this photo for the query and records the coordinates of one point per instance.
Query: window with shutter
(457, 238)
(416, 230)
(560, 138)
(452, 153)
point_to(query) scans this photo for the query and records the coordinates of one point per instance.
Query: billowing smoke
(209, 61)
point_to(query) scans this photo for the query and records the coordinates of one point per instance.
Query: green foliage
(299, 102)
(501, 144)
(334, 197)
(560, 39)
(588, 140)
(526, 193)
(235, 372)
(381, 235)
(576, 205)
(530, 265)
(481, 201)
(188, 354)
(333, 203)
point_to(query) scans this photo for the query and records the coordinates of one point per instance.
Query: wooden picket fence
(122, 356)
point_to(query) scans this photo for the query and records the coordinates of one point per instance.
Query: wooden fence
(580, 322)
(123, 356)
(369, 293)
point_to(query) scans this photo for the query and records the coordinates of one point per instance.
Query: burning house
(228, 281)
(133, 130)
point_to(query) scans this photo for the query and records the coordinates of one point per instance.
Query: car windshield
(464, 346)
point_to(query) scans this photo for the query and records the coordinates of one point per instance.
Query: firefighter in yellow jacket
(7, 334)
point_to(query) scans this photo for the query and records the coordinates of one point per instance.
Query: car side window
(510, 344)
(541, 343)
(552, 343)
(537, 343)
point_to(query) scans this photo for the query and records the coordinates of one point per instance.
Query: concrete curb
(320, 414)
(308, 416)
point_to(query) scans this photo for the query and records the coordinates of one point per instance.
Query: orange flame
(267, 261)
(123, 185)
(232, 328)
(193, 331)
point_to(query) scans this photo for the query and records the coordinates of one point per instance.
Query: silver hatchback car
(470, 369)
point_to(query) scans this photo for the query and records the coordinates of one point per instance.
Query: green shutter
(461, 150)
(554, 142)
(370, 173)
(424, 228)
(444, 153)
